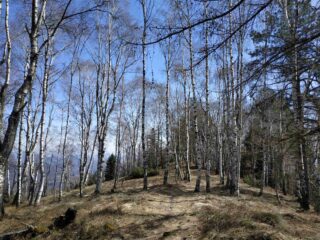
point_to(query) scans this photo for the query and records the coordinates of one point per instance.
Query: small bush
(92, 179)
(267, 218)
(317, 206)
(248, 179)
(166, 234)
(317, 202)
(218, 221)
(259, 236)
(138, 173)
(248, 224)
(153, 172)
(109, 227)
(107, 230)
(41, 229)
(221, 221)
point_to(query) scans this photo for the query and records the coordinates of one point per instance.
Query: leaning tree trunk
(86, 171)
(4, 159)
(7, 60)
(18, 103)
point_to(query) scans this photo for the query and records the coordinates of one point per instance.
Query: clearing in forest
(169, 212)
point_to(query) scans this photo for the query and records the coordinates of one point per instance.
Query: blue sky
(155, 61)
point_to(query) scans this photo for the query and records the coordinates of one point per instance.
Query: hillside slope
(169, 212)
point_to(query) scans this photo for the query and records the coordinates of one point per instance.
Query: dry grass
(169, 212)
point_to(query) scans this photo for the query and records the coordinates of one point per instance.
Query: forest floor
(169, 212)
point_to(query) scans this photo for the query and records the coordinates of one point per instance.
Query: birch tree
(143, 105)
(114, 59)
(66, 133)
(168, 54)
(87, 106)
(38, 10)
(207, 110)
(48, 58)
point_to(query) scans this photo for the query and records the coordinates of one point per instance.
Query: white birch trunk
(66, 133)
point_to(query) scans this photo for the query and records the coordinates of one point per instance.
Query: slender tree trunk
(233, 137)
(220, 143)
(239, 103)
(195, 116)
(222, 120)
(298, 109)
(227, 118)
(178, 174)
(81, 169)
(7, 54)
(7, 189)
(3, 159)
(282, 166)
(208, 164)
(42, 156)
(45, 189)
(144, 35)
(186, 122)
(85, 128)
(86, 172)
(117, 167)
(263, 170)
(253, 152)
(31, 141)
(168, 63)
(32, 174)
(101, 151)
(17, 199)
(302, 162)
(276, 171)
(106, 95)
(64, 146)
(2, 174)
(55, 180)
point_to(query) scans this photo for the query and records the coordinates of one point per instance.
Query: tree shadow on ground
(266, 196)
(141, 229)
(172, 190)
